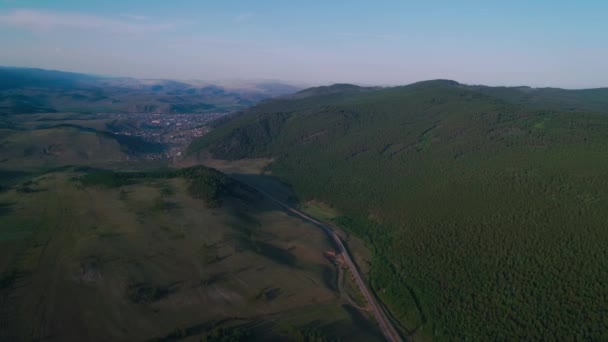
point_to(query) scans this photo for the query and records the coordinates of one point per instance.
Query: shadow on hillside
(269, 184)
(361, 321)
(6, 208)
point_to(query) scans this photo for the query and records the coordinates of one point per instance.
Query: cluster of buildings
(174, 131)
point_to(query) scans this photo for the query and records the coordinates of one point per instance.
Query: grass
(40, 141)
(352, 290)
(89, 247)
(319, 210)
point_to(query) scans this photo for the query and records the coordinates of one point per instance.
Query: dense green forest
(485, 208)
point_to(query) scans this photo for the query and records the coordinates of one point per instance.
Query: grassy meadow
(148, 259)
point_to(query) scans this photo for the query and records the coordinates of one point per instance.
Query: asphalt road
(385, 324)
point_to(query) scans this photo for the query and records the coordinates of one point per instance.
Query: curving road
(385, 324)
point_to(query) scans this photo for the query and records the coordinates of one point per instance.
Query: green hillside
(165, 255)
(67, 145)
(485, 207)
(552, 98)
(97, 230)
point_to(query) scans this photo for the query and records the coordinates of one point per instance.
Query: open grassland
(50, 140)
(319, 210)
(57, 146)
(45, 120)
(124, 257)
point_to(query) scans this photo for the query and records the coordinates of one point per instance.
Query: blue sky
(537, 43)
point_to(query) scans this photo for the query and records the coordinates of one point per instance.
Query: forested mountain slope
(485, 207)
(552, 98)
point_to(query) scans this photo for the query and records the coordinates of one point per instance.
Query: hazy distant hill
(485, 207)
(551, 98)
(334, 89)
(25, 90)
(60, 145)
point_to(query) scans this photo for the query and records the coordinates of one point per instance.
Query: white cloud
(37, 21)
(366, 35)
(134, 17)
(242, 17)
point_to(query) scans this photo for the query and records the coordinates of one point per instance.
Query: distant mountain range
(29, 90)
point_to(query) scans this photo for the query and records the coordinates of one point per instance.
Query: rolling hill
(29, 90)
(60, 145)
(163, 255)
(97, 230)
(485, 207)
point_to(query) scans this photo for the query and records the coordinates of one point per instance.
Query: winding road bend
(385, 324)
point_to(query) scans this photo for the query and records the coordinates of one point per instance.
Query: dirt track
(385, 324)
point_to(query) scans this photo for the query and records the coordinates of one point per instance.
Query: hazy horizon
(547, 44)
